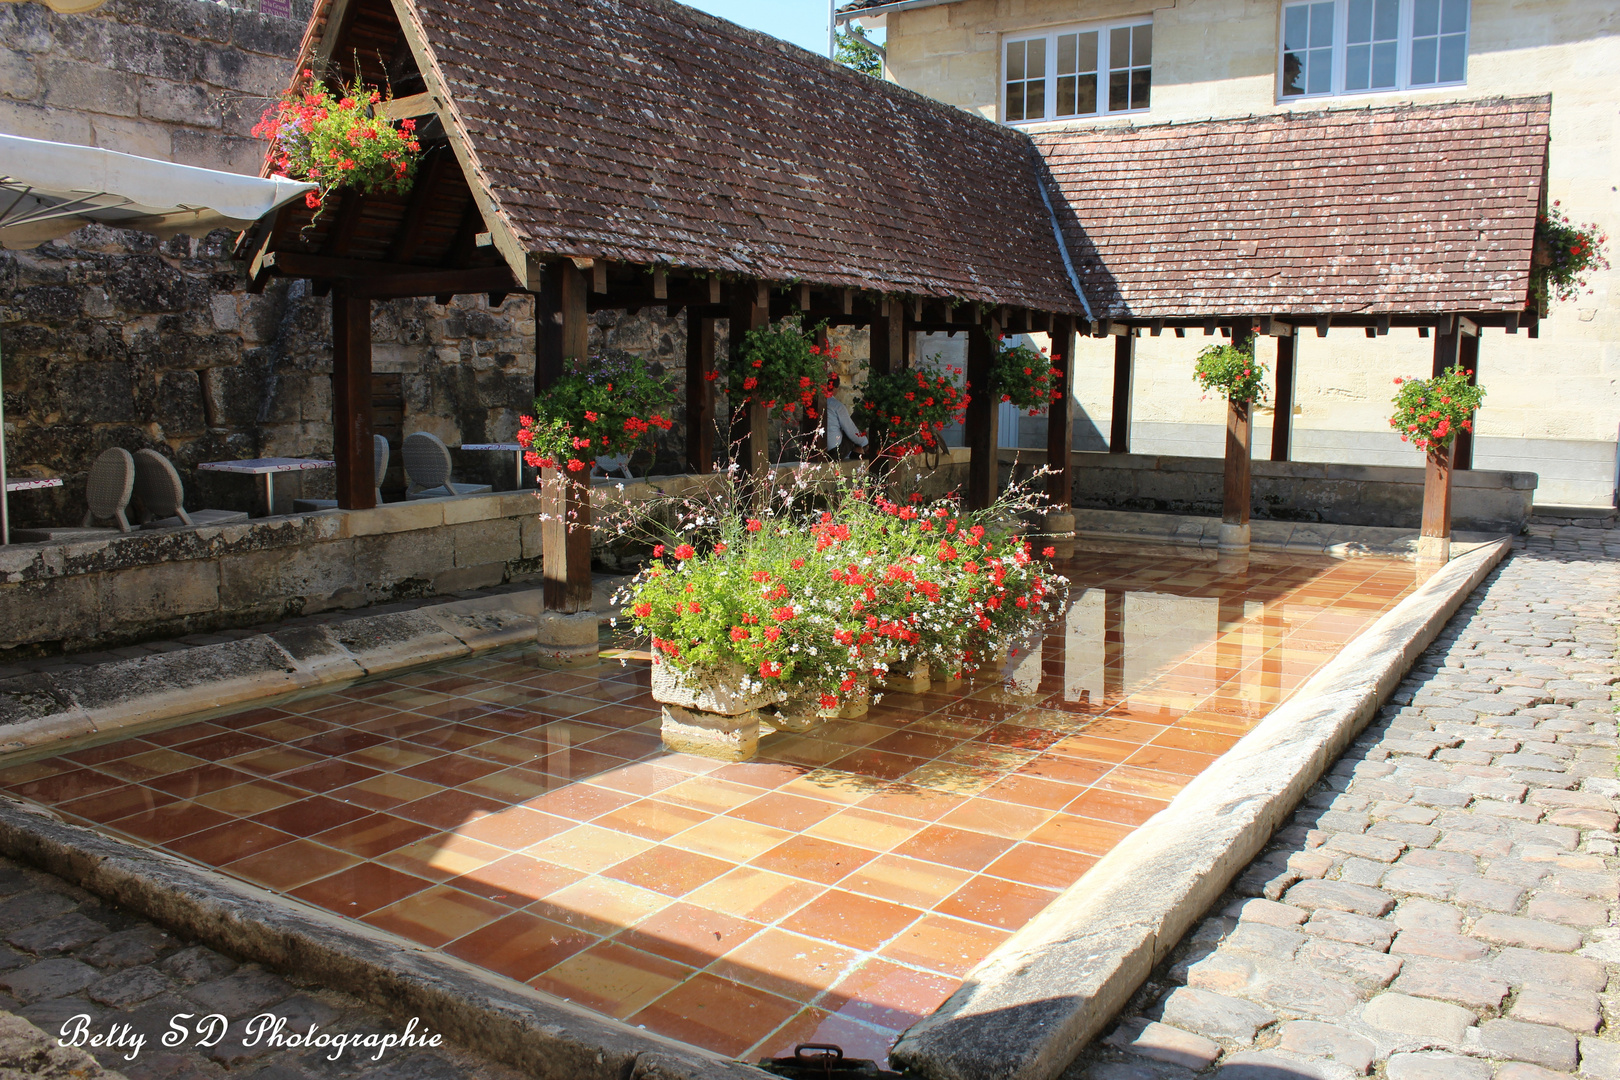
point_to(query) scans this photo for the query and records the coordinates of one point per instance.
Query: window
(1361, 46)
(1075, 71)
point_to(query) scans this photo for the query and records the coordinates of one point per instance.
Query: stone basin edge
(1037, 1000)
(484, 1012)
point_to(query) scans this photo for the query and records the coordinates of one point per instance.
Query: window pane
(1455, 17)
(1453, 58)
(1034, 99)
(1383, 66)
(1119, 91)
(1088, 52)
(1085, 103)
(1141, 84)
(1319, 71)
(1296, 27)
(1293, 80)
(1360, 24)
(1068, 49)
(1064, 105)
(1386, 20)
(1015, 60)
(1322, 26)
(1357, 67)
(1119, 47)
(1425, 18)
(1141, 46)
(1035, 59)
(1015, 101)
(1423, 61)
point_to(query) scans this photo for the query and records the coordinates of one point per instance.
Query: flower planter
(713, 717)
(914, 680)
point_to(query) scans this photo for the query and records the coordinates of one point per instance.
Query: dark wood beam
(1468, 356)
(351, 206)
(494, 280)
(1282, 419)
(1237, 489)
(1435, 540)
(565, 533)
(1060, 417)
(980, 417)
(1119, 426)
(699, 392)
(351, 401)
(750, 310)
(408, 237)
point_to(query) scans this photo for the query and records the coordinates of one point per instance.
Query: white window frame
(1341, 27)
(1050, 36)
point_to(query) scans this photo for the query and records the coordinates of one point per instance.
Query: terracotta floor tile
(1149, 783)
(880, 764)
(954, 847)
(599, 905)
(906, 800)
(834, 786)
(291, 865)
(513, 785)
(709, 794)
(510, 750)
(578, 764)
(913, 744)
(228, 842)
(1085, 835)
(313, 815)
(521, 946)
(276, 760)
(442, 856)
(328, 775)
(185, 733)
(451, 770)
(449, 808)
(437, 915)
(515, 828)
(1067, 770)
(640, 778)
(401, 725)
(580, 802)
(612, 978)
(223, 744)
(630, 745)
(118, 802)
(943, 944)
(1046, 867)
(754, 894)
(652, 819)
(386, 791)
(729, 838)
(667, 870)
(1009, 820)
(866, 829)
(590, 848)
(689, 934)
(1033, 792)
(906, 881)
(341, 741)
(450, 737)
(716, 1014)
(392, 754)
(817, 1025)
(369, 837)
(517, 880)
(791, 965)
(760, 774)
(1105, 805)
(813, 859)
(360, 889)
(1005, 905)
(887, 995)
(782, 811)
(171, 821)
(860, 922)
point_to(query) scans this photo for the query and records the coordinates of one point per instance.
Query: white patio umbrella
(49, 189)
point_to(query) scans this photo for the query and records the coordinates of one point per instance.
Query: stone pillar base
(711, 735)
(1059, 529)
(1434, 548)
(855, 708)
(1234, 538)
(567, 640)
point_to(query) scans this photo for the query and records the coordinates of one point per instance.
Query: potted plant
(1231, 371)
(1564, 254)
(1428, 414)
(907, 412)
(604, 407)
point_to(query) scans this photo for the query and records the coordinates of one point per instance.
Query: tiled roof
(647, 131)
(1389, 210)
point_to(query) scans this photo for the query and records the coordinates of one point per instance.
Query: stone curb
(1339, 541)
(42, 709)
(1031, 1006)
(486, 1013)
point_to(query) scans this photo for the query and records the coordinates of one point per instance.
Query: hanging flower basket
(1232, 372)
(781, 367)
(1023, 377)
(605, 407)
(907, 412)
(1565, 253)
(1430, 412)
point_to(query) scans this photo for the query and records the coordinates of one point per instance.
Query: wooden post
(750, 310)
(351, 401)
(565, 534)
(1119, 429)
(980, 418)
(1468, 355)
(1435, 542)
(548, 342)
(1282, 420)
(1060, 417)
(699, 393)
(1237, 488)
(888, 336)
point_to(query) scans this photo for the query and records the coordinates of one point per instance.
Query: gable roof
(1406, 209)
(649, 132)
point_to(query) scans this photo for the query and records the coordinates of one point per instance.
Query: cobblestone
(1442, 906)
(71, 955)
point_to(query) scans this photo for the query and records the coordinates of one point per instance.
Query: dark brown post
(1445, 347)
(750, 310)
(1119, 429)
(351, 401)
(1468, 356)
(980, 417)
(1282, 420)
(565, 535)
(699, 392)
(888, 336)
(1435, 542)
(1237, 490)
(548, 341)
(1060, 417)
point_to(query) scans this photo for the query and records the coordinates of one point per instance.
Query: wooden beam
(351, 204)
(1119, 428)
(1282, 420)
(980, 417)
(751, 431)
(1060, 417)
(846, 300)
(409, 234)
(660, 283)
(351, 401)
(1237, 489)
(565, 532)
(1445, 349)
(714, 289)
(1435, 541)
(699, 393)
(488, 279)
(801, 296)
(1468, 356)
(406, 107)
(599, 282)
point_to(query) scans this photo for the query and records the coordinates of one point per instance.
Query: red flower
(642, 610)
(658, 551)
(1049, 552)
(772, 632)
(590, 416)
(719, 549)
(770, 669)
(685, 551)
(754, 525)
(783, 614)
(739, 633)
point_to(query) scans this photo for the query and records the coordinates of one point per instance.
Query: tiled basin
(834, 889)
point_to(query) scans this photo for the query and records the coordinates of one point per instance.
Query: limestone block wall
(1555, 400)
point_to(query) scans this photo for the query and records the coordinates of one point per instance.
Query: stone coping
(487, 1013)
(1336, 541)
(1036, 1001)
(1304, 470)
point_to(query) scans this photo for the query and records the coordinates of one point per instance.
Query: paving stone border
(1305, 538)
(1028, 1009)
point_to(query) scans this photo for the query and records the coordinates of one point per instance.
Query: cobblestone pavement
(67, 954)
(1441, 908)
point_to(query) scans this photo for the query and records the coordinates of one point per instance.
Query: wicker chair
(107, 492)
(162, 497)
(379, 469)
(427, 469)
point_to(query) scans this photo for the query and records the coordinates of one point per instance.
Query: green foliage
(1430, 412)
(1231, 372)
(857, 51)
(780, 366)
(1572, 251)
(1023, 376)
(604, 407)
(905, 412)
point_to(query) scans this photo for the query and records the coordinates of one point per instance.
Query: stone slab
(1030, 1006)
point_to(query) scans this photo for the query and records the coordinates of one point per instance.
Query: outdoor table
(267, 468)
(514, 448)
(31, 485)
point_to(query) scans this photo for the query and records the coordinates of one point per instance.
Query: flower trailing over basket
(1565, 254)
(907, 412)
(1024, 377)
(781, 367)
(1430, 412)
(337, 141)
(605, 407)
(1232, 372)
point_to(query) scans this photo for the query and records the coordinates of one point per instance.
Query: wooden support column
(1060, 417)
(1237, 488)
(565, 533)
(699, 392)
(750, 310)
(1434, 545)
(351, 401)
(1282, 420)
(980, 417)
(1468, 355)
(1119, 429)
(888, 337)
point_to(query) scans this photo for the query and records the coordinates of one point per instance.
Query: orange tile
(589, 848)
(520, 945)
(158, 761)
(668, 870)
(376, 835)
(652, 819)
(709, 794)
(1047, 867)
(755, 894)
(1085, 835)
(813, 859)
(228, 842)
(360, 889)
(860, 922)
(599, 905)
(688, 934)
(1009, 820)
(906, 881)
(449, 808)
(1033, 792)
(817, 1025)
(516, 880)
(171, 821)
(729, 838)
(1105, 805)
(515, 828)
(311, 815)
(1005, 905)
(580, 802)
(437, 915)
(612, 978)
(716, 1014)
(791, 965)
(385, 791)
(887, 995)
(782, 811)
(943, 944)
(291, 865)
(116, 802)
(954, 847)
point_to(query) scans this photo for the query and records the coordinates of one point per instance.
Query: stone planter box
(713, 718)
